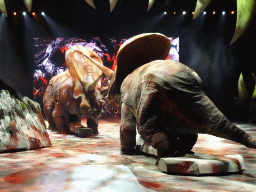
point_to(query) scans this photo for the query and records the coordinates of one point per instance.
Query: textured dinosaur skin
(63, 111)
(73, 94)
(164, 101)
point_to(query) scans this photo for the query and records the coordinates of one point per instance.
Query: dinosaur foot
(95, 132)
(82, 132)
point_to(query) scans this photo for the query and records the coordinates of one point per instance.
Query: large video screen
(49, 58)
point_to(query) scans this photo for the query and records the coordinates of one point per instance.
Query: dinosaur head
(135, 52)
(85, 76)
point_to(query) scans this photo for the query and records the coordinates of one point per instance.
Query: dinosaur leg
(165, 144)
(127, 131)
(61, 124)
(60, 112)
(73, 122)
(75, 127)
(152, 125)
(48, 113)
(93, 124)
(49, 107)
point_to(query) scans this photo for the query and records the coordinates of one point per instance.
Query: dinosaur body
(165, 102)
(74, 94)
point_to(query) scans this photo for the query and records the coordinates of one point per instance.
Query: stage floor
(95, 164)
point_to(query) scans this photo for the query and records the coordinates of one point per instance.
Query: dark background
(204, 42)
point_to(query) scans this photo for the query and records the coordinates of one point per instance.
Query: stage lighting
(43, 13)
(14, 13)
(184, 12)
(213, 12)
(223, 12)
(193, 13)
(165, 12)
(174, 13)
(24, 13)
(34, 13)
(232, 12)
(204, 12)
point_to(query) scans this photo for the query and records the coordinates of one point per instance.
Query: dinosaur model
(75, 93)
(163, 100)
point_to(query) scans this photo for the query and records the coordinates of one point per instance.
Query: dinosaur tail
(217, 124)
(225, 129)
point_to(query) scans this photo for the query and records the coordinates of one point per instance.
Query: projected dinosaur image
(164, 100)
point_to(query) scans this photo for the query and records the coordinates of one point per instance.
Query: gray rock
(22, 125)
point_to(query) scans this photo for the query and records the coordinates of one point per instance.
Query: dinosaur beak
(82, 70)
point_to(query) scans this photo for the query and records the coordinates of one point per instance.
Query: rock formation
(22, 125)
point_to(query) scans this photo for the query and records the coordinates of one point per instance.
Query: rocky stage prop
(163, 100)
(194, 163)
(22, 126)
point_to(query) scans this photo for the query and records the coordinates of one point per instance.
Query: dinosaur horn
(108, 72)
(245, 12)
(93, 85)
(200, 7)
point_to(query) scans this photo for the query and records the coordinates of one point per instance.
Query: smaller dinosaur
(75, 93)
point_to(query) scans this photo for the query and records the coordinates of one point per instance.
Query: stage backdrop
(49, 58)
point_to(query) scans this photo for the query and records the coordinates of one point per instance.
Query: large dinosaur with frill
(163, 100)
